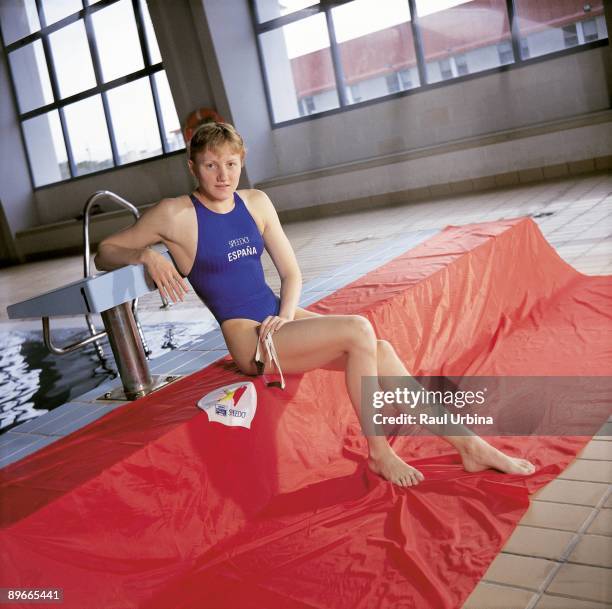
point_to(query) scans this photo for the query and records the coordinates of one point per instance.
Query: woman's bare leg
(315, 342)
(476, 453)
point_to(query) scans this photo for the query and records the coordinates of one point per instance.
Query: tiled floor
(560, 556)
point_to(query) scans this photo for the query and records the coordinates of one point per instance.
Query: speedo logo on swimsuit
(232, 405)
(239, 241)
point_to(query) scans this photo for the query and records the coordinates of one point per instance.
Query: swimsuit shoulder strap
(195, 202)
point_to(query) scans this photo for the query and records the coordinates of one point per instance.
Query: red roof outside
(462, 28)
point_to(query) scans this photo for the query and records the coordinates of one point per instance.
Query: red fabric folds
(154, 507)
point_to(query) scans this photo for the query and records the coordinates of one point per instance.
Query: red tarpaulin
(155, 507)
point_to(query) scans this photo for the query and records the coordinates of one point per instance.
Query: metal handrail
(70, 348)
(100, 194)
(95, 336)
(107, 194)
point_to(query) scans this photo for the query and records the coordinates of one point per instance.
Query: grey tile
(93, 394)
(332, 284)
(47, 423)
(211, 341)
(549, 601)
(67, 418)
(168, 365)
(493, 596)
(584, 582)
(82, 417)
(165, 358)
(605, 432)
(197, 363)
(315, 284)
(304, 302)
(188, 362)
(14, 447)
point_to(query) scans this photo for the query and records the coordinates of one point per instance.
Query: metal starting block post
(111, 295)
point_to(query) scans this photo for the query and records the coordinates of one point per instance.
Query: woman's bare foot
(478, 455)
(388, 465)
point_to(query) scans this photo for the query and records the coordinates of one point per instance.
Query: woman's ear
(190, 166)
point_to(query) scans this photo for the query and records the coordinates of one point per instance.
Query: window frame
(325, 6)
(101, 88)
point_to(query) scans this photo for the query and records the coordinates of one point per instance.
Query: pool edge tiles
(26, 439)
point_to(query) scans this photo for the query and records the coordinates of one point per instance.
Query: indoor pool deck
(560, 556)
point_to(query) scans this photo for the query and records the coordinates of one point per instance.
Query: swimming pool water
(34, 381)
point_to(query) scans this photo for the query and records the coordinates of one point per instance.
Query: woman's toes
(530, 467)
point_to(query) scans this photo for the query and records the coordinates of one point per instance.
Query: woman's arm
(282, 255)
(131, 246)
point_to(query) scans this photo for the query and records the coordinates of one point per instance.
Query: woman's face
(217, 172)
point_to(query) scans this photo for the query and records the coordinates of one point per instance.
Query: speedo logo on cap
(233, 405)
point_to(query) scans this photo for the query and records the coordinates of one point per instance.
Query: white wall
(234, 52)
(16, 194)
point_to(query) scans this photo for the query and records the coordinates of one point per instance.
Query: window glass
(46, 149)
(272, 9)
(117, 40)
(525, 48)
(72, 59)
(392, 83)
(298, 65)
(54, 10)
(150, 33)
(589, 28)
(554, 26)
(506, 54)
(172, 126)
(406, 78)
(354, 94)
(30, 75)
(61, 55)
(461, 64)
(18, 18)
(445, 68)
(375, 43)
(88, 135)
(570, 35)
(461, 37)
(134, 121)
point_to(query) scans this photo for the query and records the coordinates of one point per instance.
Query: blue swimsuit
(227, 273)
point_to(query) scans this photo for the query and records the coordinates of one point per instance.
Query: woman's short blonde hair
(212, 135)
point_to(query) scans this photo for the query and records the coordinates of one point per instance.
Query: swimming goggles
(273, 357)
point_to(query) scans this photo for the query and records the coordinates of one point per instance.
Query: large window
(321, 55)
(546, 27)
(461, 38)
(89, 84)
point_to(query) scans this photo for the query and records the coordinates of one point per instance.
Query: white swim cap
(233, 405)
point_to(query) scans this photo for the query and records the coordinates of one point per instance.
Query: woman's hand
(167, 279)
(270, 325)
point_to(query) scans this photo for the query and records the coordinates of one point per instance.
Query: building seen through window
(89, 84)
(333, 54)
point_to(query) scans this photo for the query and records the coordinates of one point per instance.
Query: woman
(216, 237)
